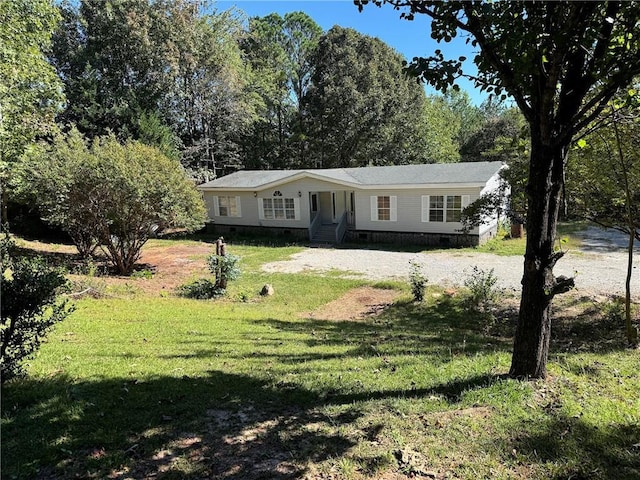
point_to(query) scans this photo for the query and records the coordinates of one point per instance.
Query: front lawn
(139, 383)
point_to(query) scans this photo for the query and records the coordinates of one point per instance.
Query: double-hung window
(436, 208)
(443, 208)
(454, 208)
(226, 206)
(279, 209)
(384, 208)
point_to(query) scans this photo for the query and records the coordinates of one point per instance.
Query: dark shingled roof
(395, 175)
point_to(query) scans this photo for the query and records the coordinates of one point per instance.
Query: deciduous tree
(604, 182)
(561, 62)
(112, 58)
(111, 195)
(209, 104)
(441, 132)
(30, 91)
(279, 50)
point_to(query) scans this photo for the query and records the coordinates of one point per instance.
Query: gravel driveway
(599, 271)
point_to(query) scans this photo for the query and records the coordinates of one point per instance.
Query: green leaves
(110, 194)
(30, 92)
(361, 109)
(29, 306)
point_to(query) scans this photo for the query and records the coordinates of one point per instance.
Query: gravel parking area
(598, 271)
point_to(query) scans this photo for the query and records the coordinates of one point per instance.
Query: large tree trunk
(539, 285)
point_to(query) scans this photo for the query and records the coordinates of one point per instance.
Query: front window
(436, 208)
(384, 208)
(279, 208)
(454, 208)
(228, 206)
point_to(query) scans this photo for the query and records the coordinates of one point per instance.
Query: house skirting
(363, 236)
(409, 238)
(218, 229)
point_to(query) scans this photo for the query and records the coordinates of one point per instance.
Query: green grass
(141, 387)
(503, 244)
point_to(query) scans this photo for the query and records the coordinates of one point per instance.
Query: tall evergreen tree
(360, 108)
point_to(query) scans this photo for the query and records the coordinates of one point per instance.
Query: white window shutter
(260, 208)
(393, 202)
(216, 207)
(374, 209)
(425, 208)
(238, 208)
(296, 208)
(465, 201)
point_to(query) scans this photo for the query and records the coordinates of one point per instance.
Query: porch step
(325, 234)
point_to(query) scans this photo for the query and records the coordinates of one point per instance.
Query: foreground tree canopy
(561, 62)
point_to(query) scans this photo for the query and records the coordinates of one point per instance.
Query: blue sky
(411, 39)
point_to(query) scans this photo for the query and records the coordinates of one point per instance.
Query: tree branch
(562, 284)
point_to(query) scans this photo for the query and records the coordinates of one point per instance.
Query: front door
(326, 208)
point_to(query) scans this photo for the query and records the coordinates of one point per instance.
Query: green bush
(201, 289)
(30, 307)
(146, 274)
(224, 268)
(483, 292)
(418, 281)
(109, 195)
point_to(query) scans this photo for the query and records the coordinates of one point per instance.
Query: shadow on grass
(580, 450)
(219, 426)
(71, 262)
(582, 326)
(74, 263)
(229, 426)
(441, 329)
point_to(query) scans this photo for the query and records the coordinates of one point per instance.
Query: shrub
(29, 306)
(224, 268)
(109, 195)
(418, 281)
(201, 289)
(146, 274)
(483, 292)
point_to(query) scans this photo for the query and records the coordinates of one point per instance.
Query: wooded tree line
(86, 85)
(222, 92)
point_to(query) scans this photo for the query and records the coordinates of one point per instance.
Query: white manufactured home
(412, 204)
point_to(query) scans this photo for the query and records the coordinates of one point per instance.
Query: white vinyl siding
(279, 208)
(384, 208)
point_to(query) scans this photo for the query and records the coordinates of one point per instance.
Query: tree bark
(632, 333)
(539, 285)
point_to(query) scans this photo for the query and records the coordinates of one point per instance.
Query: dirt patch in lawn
(356, 304)
(171, 267)
(174, 265)
(159, 271)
